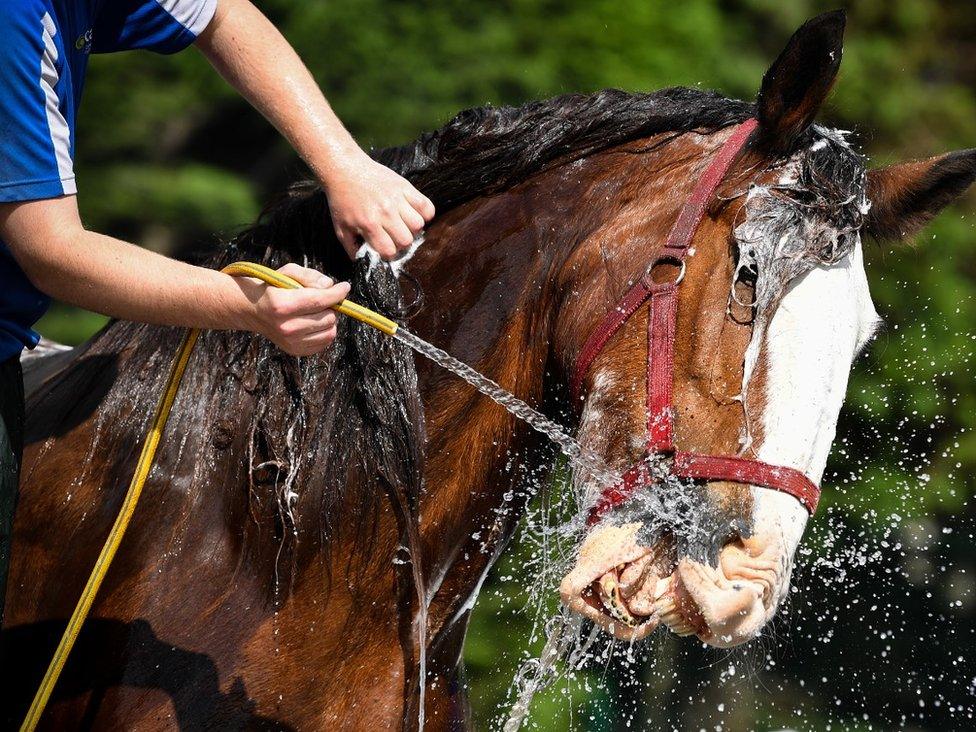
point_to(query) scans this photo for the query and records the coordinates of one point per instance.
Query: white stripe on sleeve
(194, 15)
(58, 127)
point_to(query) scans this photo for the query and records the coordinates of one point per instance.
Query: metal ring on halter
(665, 259)
(733, 298)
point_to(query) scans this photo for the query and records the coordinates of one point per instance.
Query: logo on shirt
(84, 42)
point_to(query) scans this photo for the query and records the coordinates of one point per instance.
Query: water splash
(578, 456)
(564, 630)
(564, 633)
(563, 642)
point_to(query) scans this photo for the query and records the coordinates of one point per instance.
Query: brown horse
(266, 580)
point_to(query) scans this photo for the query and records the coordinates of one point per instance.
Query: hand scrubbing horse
(263, 583)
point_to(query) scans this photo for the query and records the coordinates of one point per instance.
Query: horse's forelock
(811, 216)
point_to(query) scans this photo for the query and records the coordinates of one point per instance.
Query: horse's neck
(501, 278)
(487, 272)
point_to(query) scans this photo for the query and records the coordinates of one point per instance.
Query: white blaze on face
(822, 321)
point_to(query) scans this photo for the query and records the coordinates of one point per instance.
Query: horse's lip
(678, 611)
(605, 595)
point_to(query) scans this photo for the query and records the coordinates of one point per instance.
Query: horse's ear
(799, 80)
(906, 196)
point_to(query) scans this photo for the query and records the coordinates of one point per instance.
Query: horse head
(772, 310)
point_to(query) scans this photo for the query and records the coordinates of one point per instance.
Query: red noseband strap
(743, 470)
(662, 319)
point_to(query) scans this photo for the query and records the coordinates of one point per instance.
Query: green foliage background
(168, 156)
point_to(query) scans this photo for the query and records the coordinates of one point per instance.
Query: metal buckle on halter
(668, 260)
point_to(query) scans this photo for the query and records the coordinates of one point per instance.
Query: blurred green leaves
(186, 200)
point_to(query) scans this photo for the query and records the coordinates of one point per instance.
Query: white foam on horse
(399, 260)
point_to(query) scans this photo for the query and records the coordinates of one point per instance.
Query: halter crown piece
(662, 317)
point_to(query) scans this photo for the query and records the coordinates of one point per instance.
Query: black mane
(488, 149)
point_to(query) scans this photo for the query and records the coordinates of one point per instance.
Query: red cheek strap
(661, 333)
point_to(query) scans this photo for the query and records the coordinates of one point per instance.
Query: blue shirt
(44, 49)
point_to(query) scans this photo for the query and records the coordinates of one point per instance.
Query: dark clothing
(11, 447)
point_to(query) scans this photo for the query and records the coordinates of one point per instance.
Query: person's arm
(366, 199)
(121, 280)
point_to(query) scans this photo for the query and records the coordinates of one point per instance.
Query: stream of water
(577, 455)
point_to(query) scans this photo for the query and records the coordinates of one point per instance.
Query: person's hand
(368, 201)
(299, 322)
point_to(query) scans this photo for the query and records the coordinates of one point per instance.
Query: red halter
(662, 315)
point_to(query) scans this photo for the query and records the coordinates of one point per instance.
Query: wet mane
(488, 149)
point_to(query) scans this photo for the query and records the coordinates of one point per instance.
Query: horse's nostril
(733, 537)
(737, 530)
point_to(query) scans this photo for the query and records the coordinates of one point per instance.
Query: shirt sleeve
(164, 26)
(35, 139)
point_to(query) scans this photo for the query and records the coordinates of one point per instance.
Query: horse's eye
(742, 298)
(746, 275)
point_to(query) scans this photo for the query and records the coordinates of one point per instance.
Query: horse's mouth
(607, 588)
(641, 589)
(668, 603)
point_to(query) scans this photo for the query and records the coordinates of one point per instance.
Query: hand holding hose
(254, 278)
(300, 322)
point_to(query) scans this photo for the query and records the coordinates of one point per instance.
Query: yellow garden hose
(346, 307)
(247, 269)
